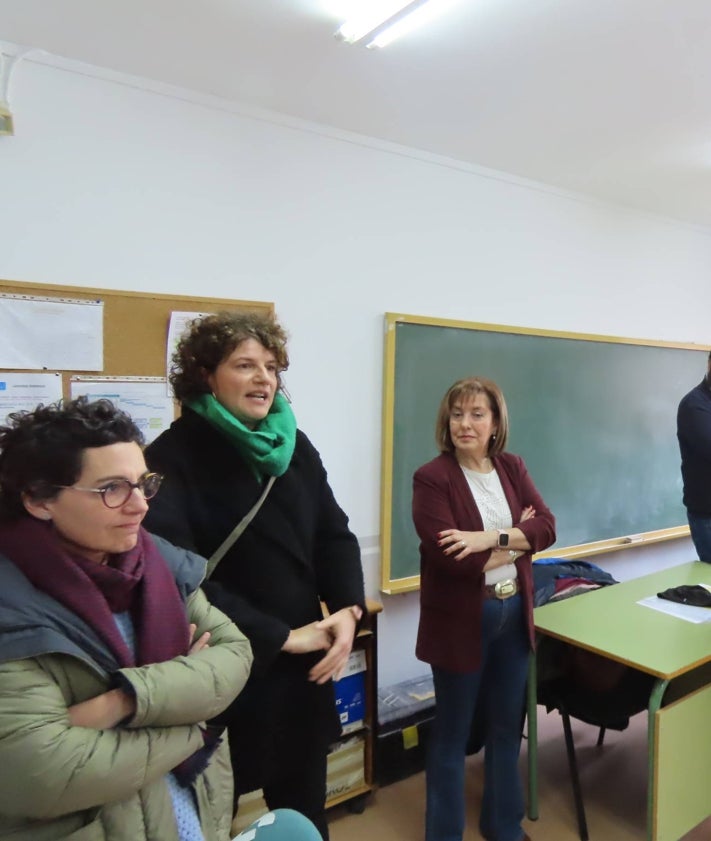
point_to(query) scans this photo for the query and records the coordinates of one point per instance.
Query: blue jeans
(502, 680)
(701, 535)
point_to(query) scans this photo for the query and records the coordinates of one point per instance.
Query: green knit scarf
(267, 449)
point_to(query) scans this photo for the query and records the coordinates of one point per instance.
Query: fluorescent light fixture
(386, 20)
(369, 16)
(419, 16)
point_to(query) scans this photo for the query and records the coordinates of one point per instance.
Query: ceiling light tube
(385, 20)
(369, 17)
(410, 19)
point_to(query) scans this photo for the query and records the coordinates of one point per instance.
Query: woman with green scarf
(236, 432)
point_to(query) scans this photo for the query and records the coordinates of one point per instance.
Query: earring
(493, 437)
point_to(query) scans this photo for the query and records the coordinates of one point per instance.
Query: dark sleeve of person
(168, 512)
(169, 516)
(539, 530)
(336, 551)
(265, 633)
(432, 512)
(694, 424)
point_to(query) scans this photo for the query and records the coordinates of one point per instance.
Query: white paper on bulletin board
(179, 323)
(56, 333)
(24, 392)
(144, 398)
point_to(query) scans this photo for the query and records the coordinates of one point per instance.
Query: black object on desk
(691, 594)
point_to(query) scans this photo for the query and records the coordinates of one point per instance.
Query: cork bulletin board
(135, 323)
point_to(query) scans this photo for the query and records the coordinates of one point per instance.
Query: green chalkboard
(594, 417)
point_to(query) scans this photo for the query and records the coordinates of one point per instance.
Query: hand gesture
(340, 627)
(200, 643)
(307, 638)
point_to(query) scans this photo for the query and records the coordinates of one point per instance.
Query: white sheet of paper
(54, 333)
(688, 612)
(144, 398)
(178, 324)
(24, 392)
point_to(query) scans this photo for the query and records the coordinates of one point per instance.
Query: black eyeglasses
(118, 492)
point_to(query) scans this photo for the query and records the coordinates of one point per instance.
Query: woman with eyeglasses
(111, 657)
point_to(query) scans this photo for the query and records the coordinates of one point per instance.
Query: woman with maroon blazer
(479, 518)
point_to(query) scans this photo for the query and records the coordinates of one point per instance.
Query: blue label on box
(350, 701)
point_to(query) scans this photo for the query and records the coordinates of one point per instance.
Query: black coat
(296, 552)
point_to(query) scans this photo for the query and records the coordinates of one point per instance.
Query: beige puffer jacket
(63, 783)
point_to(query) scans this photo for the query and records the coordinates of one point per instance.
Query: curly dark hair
(211, 339)
(462, 391)
(44, 448)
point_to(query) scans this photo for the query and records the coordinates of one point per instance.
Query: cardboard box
(346, 767)
(350, 693)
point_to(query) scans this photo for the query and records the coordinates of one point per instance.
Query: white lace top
(495, 513)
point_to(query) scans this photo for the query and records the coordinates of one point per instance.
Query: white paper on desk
(55, 333)
(144, 398)
(24, 392)
(689, 612)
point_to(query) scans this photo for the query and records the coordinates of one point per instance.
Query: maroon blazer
(452, 592)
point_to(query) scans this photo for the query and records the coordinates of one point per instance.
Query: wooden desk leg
(532, 716)
(655, 702)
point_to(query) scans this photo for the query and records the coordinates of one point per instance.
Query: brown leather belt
(502, 589)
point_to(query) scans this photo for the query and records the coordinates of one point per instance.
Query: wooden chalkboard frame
(135, 323)
(390, 584)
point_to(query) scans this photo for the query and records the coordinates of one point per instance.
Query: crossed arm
(77, 756)
(111, 708)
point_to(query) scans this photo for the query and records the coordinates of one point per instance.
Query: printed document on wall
(24, 392)
(144, 398)
(178, 325)
(56, 333)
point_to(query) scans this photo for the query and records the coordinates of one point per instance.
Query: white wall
(111, 182)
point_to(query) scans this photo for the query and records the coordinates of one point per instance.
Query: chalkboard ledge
(584, 550)
(601, 547)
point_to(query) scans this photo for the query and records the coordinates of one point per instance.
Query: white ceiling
(606, 97)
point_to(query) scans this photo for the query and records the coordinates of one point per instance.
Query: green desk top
(610, 622)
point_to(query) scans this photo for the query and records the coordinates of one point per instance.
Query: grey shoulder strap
(226, 544)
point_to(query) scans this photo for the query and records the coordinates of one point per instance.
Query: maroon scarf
(138, 581)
